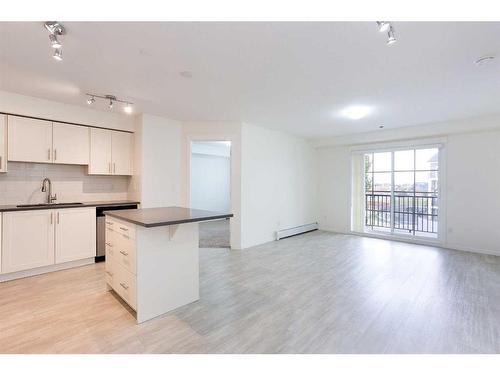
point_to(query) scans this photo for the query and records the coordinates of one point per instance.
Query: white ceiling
(295, 77)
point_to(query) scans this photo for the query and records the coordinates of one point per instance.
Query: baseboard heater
(284, 233)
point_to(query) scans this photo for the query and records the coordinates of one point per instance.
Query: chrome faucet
(50, 198)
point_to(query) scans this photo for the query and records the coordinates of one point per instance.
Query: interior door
(71, 144)
(122, 153)
(75, 234)
(28, 240)
(100, 151)
(29, 140)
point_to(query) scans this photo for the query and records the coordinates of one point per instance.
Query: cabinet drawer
(110, 243)
(110, 223)
(125, 285)
(119, 226)
(110, 272)
(126, 229)
(124, 251)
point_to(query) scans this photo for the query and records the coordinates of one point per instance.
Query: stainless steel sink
(48, 204)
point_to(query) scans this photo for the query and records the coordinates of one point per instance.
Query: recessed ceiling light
(484, 60)
(186, 74)
(356, 112)
(381, 126)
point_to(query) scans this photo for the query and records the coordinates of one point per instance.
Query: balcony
(413, 213)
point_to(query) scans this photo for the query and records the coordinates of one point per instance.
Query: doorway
(210, 189)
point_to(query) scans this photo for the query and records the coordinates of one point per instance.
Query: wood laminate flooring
(315, 293)
(215, 234)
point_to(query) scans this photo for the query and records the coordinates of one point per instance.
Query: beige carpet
(214, 234)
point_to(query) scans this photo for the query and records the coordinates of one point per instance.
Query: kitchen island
(152, 257)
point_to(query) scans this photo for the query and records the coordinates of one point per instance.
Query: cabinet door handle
(124, 286)
(109, 167)
(48, 154)
(55, 154)
(107, 243)
(109, 222)
(51, 218)
(125, 229)
(0, 162)
(58, 218)
(114, 167)
(109, 273)
(123, 252)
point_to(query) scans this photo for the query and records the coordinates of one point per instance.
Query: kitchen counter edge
(10, 208)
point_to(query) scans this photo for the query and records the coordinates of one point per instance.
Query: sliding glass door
(401, 192)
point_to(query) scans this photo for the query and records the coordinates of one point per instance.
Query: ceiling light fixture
(391, 38)
(356, 112)
(111, 99)
(54, 42)
(55, 30)
(58, 54)
(383, 26)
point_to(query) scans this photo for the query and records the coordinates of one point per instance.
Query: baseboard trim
(46, 269)
(284, 233)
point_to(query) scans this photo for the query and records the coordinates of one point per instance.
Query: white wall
(157, 167)
(472, 182)
(30, 106)
(210, 176)
(278, 179)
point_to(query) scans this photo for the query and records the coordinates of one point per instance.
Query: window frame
(441, 191)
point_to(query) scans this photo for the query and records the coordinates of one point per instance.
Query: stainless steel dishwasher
(101, 228)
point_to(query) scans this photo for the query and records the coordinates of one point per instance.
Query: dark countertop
(156, 217)
(14, 207)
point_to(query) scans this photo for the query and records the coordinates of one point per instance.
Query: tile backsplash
(23, 183)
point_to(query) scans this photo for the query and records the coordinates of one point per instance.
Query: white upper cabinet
(3, 143)
(71, 144)
(106, 152)
(121, 151)
(100, 151)
(75, 234)
(110, 152)
(29, 140)
(28, 240)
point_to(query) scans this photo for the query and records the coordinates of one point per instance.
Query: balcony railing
(413, 212)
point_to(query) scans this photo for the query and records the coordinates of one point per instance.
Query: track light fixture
(111, 101)
(54, 42)
(55, 30)
(391, 39)
(383, 26)
(58, 54)
(386, 26)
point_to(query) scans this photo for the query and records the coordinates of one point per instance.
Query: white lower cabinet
(37, 238)
(75, 234)
(121, 260)
(28, 240)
